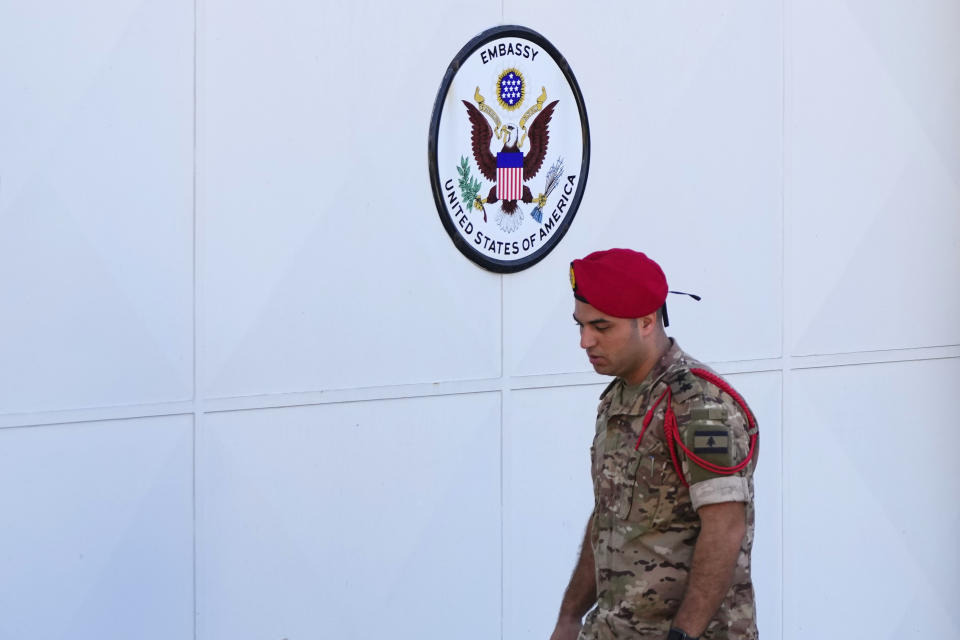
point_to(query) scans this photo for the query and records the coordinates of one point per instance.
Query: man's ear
(647, 323)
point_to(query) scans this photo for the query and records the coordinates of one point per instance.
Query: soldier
(666, 553)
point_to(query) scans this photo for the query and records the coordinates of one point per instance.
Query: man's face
(614, 345)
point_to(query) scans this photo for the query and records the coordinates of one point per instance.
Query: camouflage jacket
(645, 522)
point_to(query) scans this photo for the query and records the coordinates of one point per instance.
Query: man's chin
(602, 367)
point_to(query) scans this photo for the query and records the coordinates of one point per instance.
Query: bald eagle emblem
(511, 167)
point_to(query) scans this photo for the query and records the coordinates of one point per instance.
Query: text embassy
(509, 49)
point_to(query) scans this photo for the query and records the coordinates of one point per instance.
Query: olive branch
(468, 186)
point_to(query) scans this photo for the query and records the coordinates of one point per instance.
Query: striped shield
(510, 176)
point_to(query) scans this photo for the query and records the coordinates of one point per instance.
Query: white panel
(684, 102)
(95, 203)
(872, 189)
(351, 521)
(325, 263)
(762, 391)
(96, 530)
(548, 496)
(871, 516)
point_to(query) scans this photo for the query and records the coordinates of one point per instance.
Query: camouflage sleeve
(712, 426)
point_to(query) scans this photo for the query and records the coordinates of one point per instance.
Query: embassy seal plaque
(509, 148)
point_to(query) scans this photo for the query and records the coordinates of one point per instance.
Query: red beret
(621, 282)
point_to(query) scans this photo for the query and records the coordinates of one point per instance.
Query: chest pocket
(629, 482)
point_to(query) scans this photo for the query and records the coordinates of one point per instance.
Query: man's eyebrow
(593, 322)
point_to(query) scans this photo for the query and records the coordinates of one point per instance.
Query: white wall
(250, 389)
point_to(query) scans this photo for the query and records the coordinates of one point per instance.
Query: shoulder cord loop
(672, 431)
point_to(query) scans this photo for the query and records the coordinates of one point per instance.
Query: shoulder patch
(711, 441)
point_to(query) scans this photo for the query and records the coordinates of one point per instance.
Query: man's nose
(587, 339)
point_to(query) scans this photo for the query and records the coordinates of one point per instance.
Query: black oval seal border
(493, 264)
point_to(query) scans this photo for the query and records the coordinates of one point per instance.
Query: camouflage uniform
(645, 522)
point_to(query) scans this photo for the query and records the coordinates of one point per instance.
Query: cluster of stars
(510, 88)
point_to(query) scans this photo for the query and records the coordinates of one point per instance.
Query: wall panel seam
(197, 415)
(200, 408)
(94, 414)
(784, 338)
